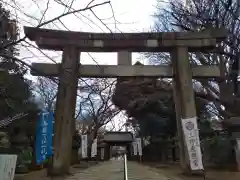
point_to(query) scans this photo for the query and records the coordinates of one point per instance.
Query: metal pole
(125, 167)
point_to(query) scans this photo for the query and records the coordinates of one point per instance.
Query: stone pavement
(137, 171)
(110, 170)
(114, 170)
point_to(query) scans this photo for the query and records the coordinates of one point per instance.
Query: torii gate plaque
(72, 43)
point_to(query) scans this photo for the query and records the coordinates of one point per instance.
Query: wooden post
(185, 101)
(181, 144)
(124, 58)
(65, 112)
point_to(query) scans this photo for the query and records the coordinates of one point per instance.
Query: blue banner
(44, 131)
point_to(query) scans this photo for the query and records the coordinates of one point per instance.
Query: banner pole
(125, 167)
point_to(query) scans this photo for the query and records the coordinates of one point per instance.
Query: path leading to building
(110, 170)
(137, 171)
(114, 170)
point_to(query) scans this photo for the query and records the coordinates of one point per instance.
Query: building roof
(233, 121)
(118, 137)
(6, 121)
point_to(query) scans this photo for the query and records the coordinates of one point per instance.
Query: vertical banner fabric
(84, 146)
(94, 148)
(135, 149)
(238, 143)
(191, 134)
(7, 166)
(44, 131)
(102, 153)
(237, 151)
(139, 146)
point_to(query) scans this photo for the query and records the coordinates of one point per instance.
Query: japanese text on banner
(94, 148)
(191, 135)
(44, 136)
(7, 166)
(102, 153)
(135, 150)
(139, 146)
(84, 146)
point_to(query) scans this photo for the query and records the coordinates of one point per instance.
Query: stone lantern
(233, 126)
(20, 145)
(4, 142)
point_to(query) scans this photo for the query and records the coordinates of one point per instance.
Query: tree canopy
(214, 98)
(199, 16)
(15, 90)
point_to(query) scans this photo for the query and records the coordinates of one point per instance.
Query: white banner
(146, 142)
(237, 151)
(94, 148)
(139, 146)
(102, 153)
(84, 145)
(135, 150)
(7, 166)
(238, 143)
(191, 134)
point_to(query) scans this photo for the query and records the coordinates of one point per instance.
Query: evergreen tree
(15, 90)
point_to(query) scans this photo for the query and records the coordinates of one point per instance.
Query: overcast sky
(120, 16)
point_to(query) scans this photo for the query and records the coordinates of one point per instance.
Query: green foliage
(158, 118)
(205, 128)
(219, 149)
(154, 125)
(15, 95)
(15, 90)
(27, 155)
(8, 35)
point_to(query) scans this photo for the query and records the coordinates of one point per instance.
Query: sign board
(44, 131)
(139, 146)
(94, 148)
(7, 166)
(191, 134)
(135, 150)
(118, 137)
(84, 146)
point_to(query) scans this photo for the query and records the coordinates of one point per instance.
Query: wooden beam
(132, 42)
(124, 58)
(133, 45)
(35, 33)
(113, 71)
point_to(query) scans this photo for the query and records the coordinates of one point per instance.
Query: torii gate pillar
(65, 112)
(183, 97)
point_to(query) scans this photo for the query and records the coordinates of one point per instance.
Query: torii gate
(178, 44)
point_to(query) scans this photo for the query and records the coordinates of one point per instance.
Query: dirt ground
(170, 171)
(42, 174)
(174, 172)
